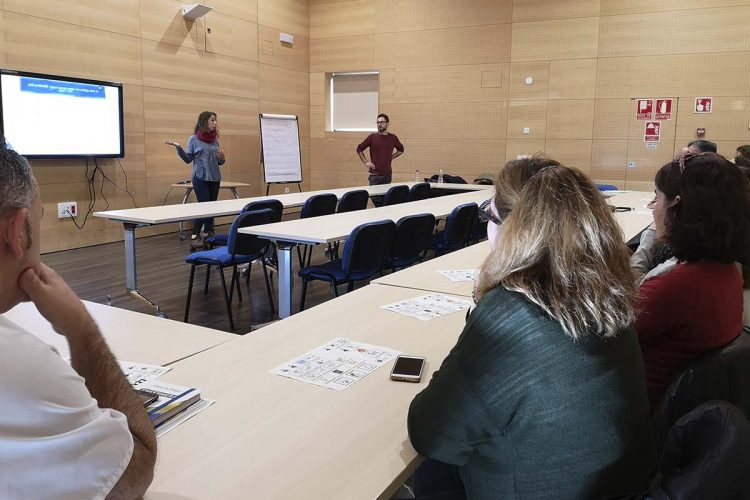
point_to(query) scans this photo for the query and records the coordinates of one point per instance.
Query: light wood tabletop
(131, 336)
(273, 437)
(331, 228)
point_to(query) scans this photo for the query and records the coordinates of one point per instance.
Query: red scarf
(206, 137)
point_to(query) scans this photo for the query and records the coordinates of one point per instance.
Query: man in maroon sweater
(381, 147)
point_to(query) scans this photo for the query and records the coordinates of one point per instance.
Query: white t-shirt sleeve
(55, 442)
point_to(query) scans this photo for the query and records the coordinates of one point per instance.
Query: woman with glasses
(702, 209)
(544, 394)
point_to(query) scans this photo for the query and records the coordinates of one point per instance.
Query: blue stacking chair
(606, 187)
(420, 191)
(413, 234)
(353, 200)
(219, 240)
(396, 195)
(315, 206)
(350, 201)
(240, 249)
(365, 253)
(457, 229)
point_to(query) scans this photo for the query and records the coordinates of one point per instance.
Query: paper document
(138, 372)
(430, 306)
(461, 274)
(181, 418)
(337, 364)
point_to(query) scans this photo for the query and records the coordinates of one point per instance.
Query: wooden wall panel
(243, 9)
(178, 68)
(117, 16)
(609, 161)
(231, 36)
(570, 119)
(730, 120)
(523, 147)
(317, 122)
(162, 21)
(611, 118)
(539, 10)
(412, 15)
(444, 84)
(289, 16)
(519, 89)
(572, 79)
(35, 44)
(672, 75)
(317, 89)
(618, 7)
(342, 19)
(444, 47)
(349, 53)
(558, 39)
(719, 30)
(527, 114)
(451, 121)
(174, 113)
(337, 154)
(272, 51)
(284, 85)
(573, 153)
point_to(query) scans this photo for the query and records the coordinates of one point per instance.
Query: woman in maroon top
(702, 209)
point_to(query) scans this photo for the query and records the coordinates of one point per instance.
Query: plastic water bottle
(440, 177)
(416, 176)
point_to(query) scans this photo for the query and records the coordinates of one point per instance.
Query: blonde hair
(561, 248)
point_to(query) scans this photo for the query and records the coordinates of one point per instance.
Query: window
(353, 101)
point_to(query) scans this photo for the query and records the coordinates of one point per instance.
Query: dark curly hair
(712, 219)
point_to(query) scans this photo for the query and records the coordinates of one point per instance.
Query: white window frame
(331, 101)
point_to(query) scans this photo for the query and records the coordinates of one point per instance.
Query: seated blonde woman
(544, 394)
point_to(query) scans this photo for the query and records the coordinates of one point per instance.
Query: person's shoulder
(507, 314)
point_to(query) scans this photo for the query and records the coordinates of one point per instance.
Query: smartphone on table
(408, 369)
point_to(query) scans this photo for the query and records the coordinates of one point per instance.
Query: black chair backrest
(706, 455)
(249, 244)
(413, 234)
(320, 204)
(420, 191)
(459, 224)
(368, 247)
(275, 205)
(396, 195)
(722, 374)
(353, 200)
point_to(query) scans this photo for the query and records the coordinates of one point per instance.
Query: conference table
(132, 336)
(134, 218)
(426, 276)
(337, 227)
(188, 186)
(272, 437)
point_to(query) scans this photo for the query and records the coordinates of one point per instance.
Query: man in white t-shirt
(66, 431)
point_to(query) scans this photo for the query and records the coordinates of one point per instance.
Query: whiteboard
(279, 148)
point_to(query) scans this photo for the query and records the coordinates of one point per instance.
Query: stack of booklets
(173, 405)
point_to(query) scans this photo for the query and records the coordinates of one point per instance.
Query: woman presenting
(203, 150)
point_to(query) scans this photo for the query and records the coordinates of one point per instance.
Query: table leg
(131, 271)
(234, 192)
(184, 200)
(286, 278)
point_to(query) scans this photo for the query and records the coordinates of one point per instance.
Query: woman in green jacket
(543, 396)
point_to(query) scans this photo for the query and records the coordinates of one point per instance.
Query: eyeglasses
(381, 123)
(684, 158)
(485, 213)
